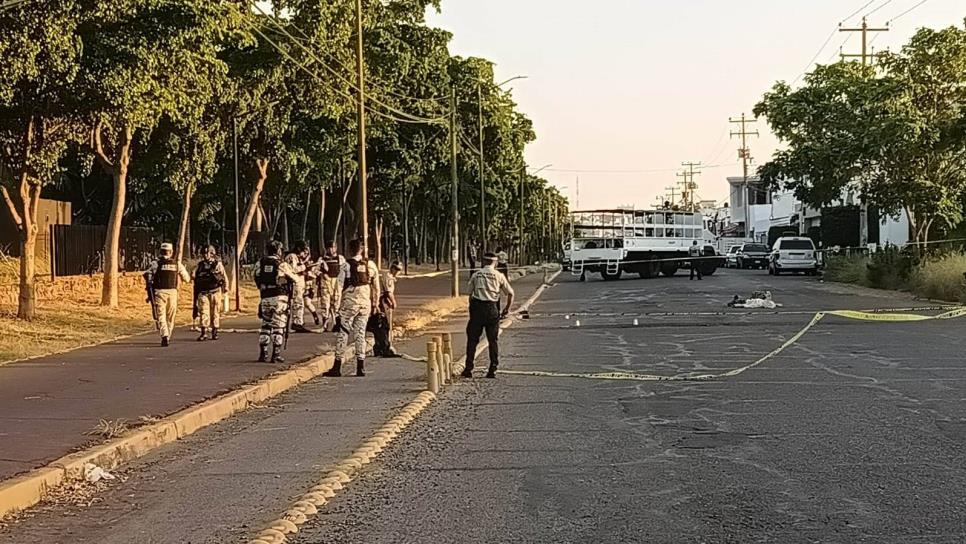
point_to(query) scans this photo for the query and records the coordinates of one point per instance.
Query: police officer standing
(296, 259)
(312, 287)
(695, 253)
(331, 290)
(274, 278)
(164, 275)
(360, 296)
(486, 286)
(210, 281)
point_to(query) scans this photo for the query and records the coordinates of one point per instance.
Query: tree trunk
(26, 220)
(253, 205)
(378, 248)
(321, 245)
(305, 216)
(27, 299)
(183, 225)
(112, 245)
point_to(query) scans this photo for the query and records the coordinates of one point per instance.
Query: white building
(782, 209)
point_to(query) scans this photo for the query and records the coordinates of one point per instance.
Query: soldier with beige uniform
(163, 276)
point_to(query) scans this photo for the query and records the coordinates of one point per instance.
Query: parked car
(731, 257)
(752, 256)
(793, 254)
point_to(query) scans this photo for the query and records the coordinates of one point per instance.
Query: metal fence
(79, 249)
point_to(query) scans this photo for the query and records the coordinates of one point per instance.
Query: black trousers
(695, 269)
(484, 316)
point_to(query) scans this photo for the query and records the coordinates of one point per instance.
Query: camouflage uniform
(273, 308)
(357, 302)
(298, 289)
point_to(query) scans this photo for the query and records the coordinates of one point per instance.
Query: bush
(847, 269)
(941, 278)
(890, 268)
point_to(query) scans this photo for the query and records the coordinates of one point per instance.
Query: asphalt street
(853, 434)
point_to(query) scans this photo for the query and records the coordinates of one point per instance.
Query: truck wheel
(669, 270)
(649, 270)
(708, 270)
(610, 277)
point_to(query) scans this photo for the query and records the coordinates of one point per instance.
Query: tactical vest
(267, 278)
(331, 266)
(205, 277)
(166, 276)
(358, 274)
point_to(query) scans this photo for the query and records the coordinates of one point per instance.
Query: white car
(793, 254)
(731, 257)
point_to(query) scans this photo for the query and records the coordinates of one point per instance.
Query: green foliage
(847, 269)
(890, 268)
(893, 133)
(941, 278)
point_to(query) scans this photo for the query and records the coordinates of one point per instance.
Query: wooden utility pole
(362, 206)
(745, 155)
(690, 187)
(479, 104)
(455, 237)
(865, 57)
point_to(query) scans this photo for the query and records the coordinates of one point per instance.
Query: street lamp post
(479, 105)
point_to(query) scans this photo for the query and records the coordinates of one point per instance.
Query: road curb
(29, 489)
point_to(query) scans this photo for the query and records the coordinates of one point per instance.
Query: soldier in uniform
(360, 296)
(486, 286)
(695, 253)
(210, 282)
(296, 259)
(313, 271)
(331, 291)
(275, 278)
(164, 274)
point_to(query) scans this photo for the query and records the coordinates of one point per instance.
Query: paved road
(854, 434)
(49, 403)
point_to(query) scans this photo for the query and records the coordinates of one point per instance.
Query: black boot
(164, 341)
(262, 353)
(315, 316)
(335, 371)
(277, 355)
(300, 328)
(491, 373)
(214, 333)
(360, 367)
(202, 337)
(467, 372)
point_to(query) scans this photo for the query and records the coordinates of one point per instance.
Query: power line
(403, 114)
(815, 57)
(904, 13)
(856, 12)
(887, 2)
(644, 171)
(344, 94)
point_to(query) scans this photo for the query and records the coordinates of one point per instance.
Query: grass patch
(941, 278)
(77, 320)
(847, 270)
(109, 428)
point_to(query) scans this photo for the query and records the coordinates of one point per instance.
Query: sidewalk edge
(26, 490)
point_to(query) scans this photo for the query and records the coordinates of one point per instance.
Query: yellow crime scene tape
(847, 314)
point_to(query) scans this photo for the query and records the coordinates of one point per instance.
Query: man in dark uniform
(486, 286)
(695, 253)
(274, 278)
(210, 282)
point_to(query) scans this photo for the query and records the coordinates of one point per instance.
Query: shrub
(941, 278)
(890, 268)
(847, 269)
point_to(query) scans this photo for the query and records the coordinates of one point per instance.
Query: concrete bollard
(432, 374)
(443, 376)
(448, 364)
(448, 344)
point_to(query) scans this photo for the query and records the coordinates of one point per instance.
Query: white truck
(648, 242)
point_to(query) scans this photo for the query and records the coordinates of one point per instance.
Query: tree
(894, 132)
(40, 55)
(143, 59)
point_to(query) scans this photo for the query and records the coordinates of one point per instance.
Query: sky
(640, 86)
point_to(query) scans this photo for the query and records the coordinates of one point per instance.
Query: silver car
(793, 254)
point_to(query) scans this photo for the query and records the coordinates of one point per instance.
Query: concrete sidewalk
(47, 405)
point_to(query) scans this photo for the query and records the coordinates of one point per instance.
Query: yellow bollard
(432, 374)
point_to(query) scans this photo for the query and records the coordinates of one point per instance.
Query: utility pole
(362, 206)
(522, 251)
(689, 185)
(455, 237)
(865, 57)
(671, 194)
(864, 29)
(745, 155)
(479, 104)
(236, 273)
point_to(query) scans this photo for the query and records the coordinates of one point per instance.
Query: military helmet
(274, 247)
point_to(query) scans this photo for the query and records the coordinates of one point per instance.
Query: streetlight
(523, 174)
(479, 104)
